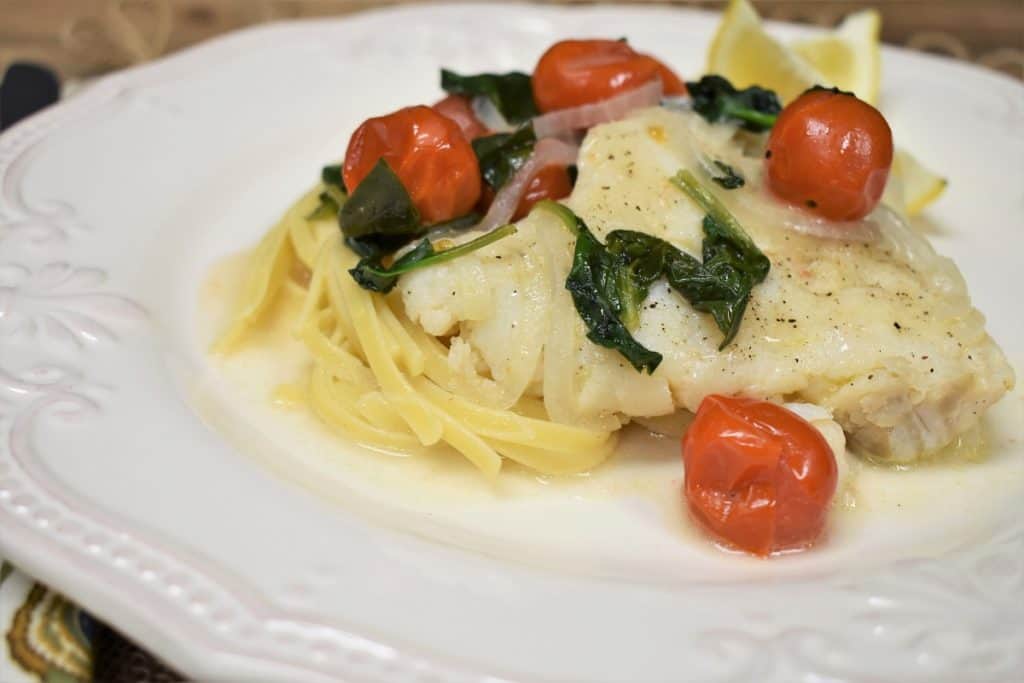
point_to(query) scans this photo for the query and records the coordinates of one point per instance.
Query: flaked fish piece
(878, 327)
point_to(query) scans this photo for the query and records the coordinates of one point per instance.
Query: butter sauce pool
(625, 519)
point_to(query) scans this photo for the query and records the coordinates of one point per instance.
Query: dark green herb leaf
(502, 154)
(378, 246)
(731, 180)
(331, 176)
(371, 274)
(834, 90)
(715, 98)
(609, 282)
(334, 195)
(732, 263)
(641, 259)
(511, 93)
(380, 208)
(598, 286)
(460, 223)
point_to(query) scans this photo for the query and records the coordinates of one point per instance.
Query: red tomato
(758, 477)
(552, 182)
(460, 110)
(575, 72)
(831, 153)
(428, 153)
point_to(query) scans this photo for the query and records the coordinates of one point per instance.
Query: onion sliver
(547, 152)
(564, 121)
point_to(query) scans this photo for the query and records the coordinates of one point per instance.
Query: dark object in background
(26, 89)
(116, 660)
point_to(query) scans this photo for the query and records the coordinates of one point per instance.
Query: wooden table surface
(87, 37)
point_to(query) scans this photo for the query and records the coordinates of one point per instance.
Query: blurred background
(79, 38)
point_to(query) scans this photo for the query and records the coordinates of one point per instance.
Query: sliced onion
(565, 121)
(547, 152)
(758, 200)
(489, 115)
(865, 230)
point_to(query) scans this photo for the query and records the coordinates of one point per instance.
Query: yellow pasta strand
(306, 235)
(380, 379)
(409, 353)
(378, 349)
(333, 405)
(556, 462)
(268, 266)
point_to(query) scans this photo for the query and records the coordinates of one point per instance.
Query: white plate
(128, 465)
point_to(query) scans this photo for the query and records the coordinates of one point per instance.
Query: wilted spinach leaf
(716, 99)
(597, 285)
(732, 263)
(380, 208)
(334, 195)
(331, 176)
(731, 179)
(641, 260)
(502, 154)
(511, 93)
(371, 274)
(609, 282)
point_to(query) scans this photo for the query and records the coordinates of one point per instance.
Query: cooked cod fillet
(878, 329)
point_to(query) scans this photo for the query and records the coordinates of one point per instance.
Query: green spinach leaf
(641, 260)
(511, 93)
(600, 291)
(732, 263)
(331, 176)
(716, 99)
(380, 208)
(731, 179)
(334, 195)
(609, 282)
(502, 154)
(371, 274)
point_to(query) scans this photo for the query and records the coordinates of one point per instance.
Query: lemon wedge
(915, 186)
(743, 52)
(850, 57)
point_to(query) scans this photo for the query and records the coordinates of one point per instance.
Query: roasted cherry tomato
(428, 153)
(553, 182)
(758, 477)
(831, 153)
(576, 72)
(459, 109)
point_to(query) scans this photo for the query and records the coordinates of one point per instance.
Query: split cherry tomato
(576, 72)
(758, 477)
(428, 153)
(831, 153)
(552, 182)
(459, 109)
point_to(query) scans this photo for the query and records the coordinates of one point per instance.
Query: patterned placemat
(47, 638)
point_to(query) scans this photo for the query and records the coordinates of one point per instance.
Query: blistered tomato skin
(577, 72)
(427, 151)
(830, 153)
(758, 477)
(552, 182)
